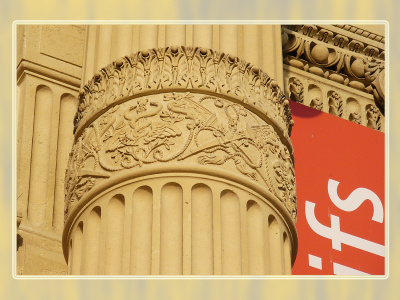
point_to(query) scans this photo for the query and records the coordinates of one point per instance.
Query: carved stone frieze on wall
(181, 68)
(338, 58)
(333, 98)
(189, 128)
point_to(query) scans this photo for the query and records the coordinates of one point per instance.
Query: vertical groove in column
(91, 243)
(103, 46)
(189, 35)
(90, 55)
(203, 36)
(228, 39)
(75, 264)
(21, 96)
(230, 234)
(275, 242)
(268, 52)
(187, 229)
(135, 38)
(141, 231)
(40, 161)
(215, 38)
(68, 108)
(286, 254)
(161, 36)
(171, 230)
(148, 36)
(255, 239)
(267, 247)
(121, 41)
(175, 35)
(202, 230)
(217, 228)
(69, 262)
(250, 43)
(114, 235)
(240, 44)
(272, 52)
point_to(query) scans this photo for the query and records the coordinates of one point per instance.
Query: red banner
(340, 174)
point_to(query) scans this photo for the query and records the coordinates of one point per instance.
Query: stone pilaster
(48, 81)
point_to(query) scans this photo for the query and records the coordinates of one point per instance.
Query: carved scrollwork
(83, 170)
(181, 67)
(186, 127)
(330, 35)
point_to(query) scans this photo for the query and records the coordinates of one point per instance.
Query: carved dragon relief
(183, 68)
(184, 127)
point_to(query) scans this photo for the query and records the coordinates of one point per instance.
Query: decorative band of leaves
(190, 68)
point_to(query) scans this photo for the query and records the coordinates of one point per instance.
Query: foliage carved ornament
(181, 126)
(182, 68)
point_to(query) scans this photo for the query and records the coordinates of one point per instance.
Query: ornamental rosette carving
(186, 127)
(184, 68)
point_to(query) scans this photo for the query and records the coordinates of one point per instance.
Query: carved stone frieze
(183, 68)
(373, 46)
(335, 57)
(333, 98)
(185, 127)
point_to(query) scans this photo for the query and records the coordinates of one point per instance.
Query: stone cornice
(335, 57)
(29, 66)
(336, 36)
(362, 32)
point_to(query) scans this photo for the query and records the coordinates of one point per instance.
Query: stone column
(182, 165)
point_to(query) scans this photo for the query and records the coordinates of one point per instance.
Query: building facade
(165, 149)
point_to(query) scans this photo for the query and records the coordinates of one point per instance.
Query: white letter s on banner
(356, 198)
